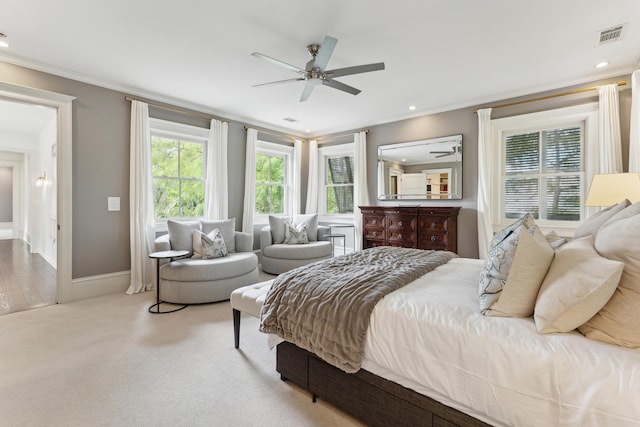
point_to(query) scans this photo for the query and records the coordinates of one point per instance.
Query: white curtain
(249, 182)
(634, 136)
(217, 188)
(313, 184)
(141, 215)
(609, 141)
(360, 191)
(485, 155)
(296, 184)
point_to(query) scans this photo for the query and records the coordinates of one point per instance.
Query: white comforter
(430, 336)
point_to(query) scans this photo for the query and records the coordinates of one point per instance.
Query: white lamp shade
(609, 189)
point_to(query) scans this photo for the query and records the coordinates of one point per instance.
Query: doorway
(28, 167)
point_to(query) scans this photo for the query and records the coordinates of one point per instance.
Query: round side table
(170, 255)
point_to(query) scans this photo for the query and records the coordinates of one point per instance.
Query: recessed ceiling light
(404, 160)
(307, 130)
(412, 107)
(601, 64)
(2, 42)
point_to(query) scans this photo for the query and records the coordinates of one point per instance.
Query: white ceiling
(439, 55)
(22, 117)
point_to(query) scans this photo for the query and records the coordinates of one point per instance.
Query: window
(273, 178)
(544, 161)
(543, 174)
(178, 154)
(337, 174)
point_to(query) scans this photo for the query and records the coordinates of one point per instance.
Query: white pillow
(227, 228)
(597, 220)
(619, 320)
(311, 220)
(578, 284)
(277, 225)
(519, 257)
(209, 245)
(296, 235)
(180, 234)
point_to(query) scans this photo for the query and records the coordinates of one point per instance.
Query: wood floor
(26, 280)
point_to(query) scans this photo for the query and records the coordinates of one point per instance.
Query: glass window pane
(164, 157)
(521, 195)
(263, 195)
(166, 198)
(192, 198)
(562, 199)
(340, 170)
(561, 150)
(262, 168)
(277, 170)
(339, 199)
(277, 202)
(522, 153)
(191, 160)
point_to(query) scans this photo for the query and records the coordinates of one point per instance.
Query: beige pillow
(597, 220)
(519, 257)
(555, 241)
(578, 284)
(619, 320)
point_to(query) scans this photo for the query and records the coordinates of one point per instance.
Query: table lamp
(611, 188)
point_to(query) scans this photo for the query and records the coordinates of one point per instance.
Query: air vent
(610, 34)
(289, 119)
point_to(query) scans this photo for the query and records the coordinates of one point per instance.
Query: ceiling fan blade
(325, 52)
(278, 62)
(279, 81)
(355, 70)
(341, 86)
(308, 88)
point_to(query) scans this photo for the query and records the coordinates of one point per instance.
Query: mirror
(428, 169)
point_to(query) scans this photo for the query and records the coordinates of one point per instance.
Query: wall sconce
(41, 179)
(609, 189)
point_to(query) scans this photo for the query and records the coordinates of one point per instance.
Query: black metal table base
(168, 311)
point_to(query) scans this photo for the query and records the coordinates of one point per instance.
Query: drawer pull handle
(374, 234)
(431, 212)
(374, 245)
(433, 238)
(374, 222)
(433, 225)
(397, 212)
(399, 223)
(399, 235)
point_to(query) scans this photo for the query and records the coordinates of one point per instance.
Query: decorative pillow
(554, 240)
(278, 226)
(311, 220)
(597, 220)
(619, 320)
(578, 284)
(296, 235)
(213, 245)
(227, 228)
(180, 234)
(519, 257)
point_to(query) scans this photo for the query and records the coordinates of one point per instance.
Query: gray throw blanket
(325, 307)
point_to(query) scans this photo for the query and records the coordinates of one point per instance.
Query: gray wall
(101, 162)
(6, 194)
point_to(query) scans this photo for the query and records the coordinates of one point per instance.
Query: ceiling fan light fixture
(601, 64)
(2, 42)
(412, 107)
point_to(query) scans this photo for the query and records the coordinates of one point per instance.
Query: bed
(432, 358)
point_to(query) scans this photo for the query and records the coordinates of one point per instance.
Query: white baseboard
(103, 284)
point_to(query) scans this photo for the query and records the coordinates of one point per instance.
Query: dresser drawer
(370, 243)
(401, 223)
(374, 233)
(373, 221)
(433, 239)
(433, 223)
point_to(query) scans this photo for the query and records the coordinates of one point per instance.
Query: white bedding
(431, 337)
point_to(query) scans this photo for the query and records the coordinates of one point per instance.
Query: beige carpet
(108, 362)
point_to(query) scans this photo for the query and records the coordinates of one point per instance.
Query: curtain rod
(176, 110)
(555, 95)
(338, 136)
(278, 135)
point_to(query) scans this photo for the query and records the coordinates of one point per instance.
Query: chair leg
(236, 327)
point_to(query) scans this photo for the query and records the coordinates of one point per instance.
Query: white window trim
(168, 129)
(273, 149)
(585, 113)
(348, 149)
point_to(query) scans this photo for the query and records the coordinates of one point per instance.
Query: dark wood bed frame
(368, 397)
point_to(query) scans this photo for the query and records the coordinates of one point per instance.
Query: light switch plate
(113, 203)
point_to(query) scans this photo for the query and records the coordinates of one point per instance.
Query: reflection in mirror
(418, 170)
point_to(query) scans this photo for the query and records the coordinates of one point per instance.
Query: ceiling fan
(454, 150)
(315, 72)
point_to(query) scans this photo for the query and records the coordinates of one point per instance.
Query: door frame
(64, 162)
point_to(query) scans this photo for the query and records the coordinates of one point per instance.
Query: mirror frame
(452, 169)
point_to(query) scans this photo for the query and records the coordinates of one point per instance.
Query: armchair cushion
(296, 235)
(311, 221)
(207, 246)
(180, 234)
(227, 228)
(277, 226)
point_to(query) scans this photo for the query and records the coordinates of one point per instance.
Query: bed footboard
(370, 398)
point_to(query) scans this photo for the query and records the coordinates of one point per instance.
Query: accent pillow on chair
(278, 228)
(207, 246)
(180, 234)
(227, 229)
(296, 235)
(311, 221)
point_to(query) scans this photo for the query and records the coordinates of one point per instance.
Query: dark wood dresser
(421, 227)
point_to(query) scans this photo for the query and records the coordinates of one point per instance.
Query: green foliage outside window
(178, 178)
(270, 184)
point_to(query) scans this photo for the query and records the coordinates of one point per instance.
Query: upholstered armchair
(278, 256)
